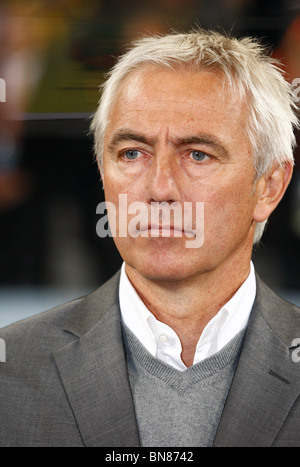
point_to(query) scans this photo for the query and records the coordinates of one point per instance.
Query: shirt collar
(230, 320)
(135, 314)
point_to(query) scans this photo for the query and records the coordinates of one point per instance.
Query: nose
(162, 180)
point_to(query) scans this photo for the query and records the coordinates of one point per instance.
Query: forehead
(177, 99)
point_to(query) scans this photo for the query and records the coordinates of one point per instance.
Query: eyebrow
(203, 138)
(127, 135)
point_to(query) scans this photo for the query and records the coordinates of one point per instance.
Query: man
(185, 346)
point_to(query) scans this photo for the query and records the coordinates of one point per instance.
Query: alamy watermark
(296, 350)
(2, 351)
(296, 90)
(2, 90)
(139, 219)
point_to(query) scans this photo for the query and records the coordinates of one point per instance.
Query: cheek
(226, 207)
(113, 185)
(116, 181)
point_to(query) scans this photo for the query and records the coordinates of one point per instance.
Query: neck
(187, 306)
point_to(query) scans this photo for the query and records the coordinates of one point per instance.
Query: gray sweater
(175, 408)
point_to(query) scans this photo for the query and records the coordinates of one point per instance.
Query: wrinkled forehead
(179, 77)
(163, 95)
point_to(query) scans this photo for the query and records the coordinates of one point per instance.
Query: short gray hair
(248, 69)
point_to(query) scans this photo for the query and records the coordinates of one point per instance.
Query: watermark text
(139, 219)
(2, 90)
(2, 351)
(296, 90)
(296, 350)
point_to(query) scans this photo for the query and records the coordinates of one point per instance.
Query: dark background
(53, 56)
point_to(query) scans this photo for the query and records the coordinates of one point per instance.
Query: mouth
(166, 230)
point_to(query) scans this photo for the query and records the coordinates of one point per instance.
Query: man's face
(180, 136)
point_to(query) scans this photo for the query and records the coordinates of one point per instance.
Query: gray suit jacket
(65, 380)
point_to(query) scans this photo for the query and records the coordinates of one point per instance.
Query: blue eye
(199, 155)
(131, 154)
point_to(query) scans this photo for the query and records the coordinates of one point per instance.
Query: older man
(185, 346)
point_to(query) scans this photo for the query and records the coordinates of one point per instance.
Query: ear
(270, 188)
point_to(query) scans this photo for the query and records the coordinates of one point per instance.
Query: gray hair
(247, 68)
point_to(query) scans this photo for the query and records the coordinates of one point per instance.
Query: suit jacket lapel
(266, 382)
(94, 372)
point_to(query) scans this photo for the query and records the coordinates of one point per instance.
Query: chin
(161, 269)
(161, 260)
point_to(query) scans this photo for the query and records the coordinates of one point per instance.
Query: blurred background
(53, 56)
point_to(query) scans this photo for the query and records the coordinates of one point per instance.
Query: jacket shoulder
(31, 393)
(282, 316)
(37, 337)
(33, 404)
(30, 343)
(45, 325)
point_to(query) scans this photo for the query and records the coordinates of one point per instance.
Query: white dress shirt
(161, 340)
